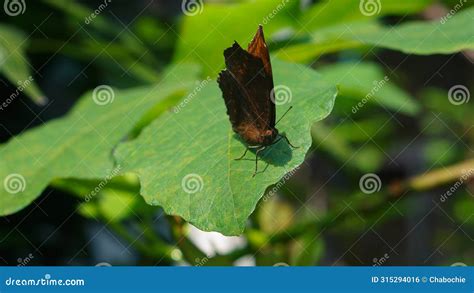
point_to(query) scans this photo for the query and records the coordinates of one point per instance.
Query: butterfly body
(254, 136)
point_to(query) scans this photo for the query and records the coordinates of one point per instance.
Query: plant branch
(461, 171)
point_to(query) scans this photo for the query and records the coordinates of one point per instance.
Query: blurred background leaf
(14, 64)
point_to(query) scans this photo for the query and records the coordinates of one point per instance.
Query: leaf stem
(457, 172)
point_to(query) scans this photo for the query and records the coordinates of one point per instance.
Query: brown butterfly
(247, 88)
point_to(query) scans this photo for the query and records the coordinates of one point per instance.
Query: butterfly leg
(246, 150)
(256, 159)
(241, 157)
(288, 141)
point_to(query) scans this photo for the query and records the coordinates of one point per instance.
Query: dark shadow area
(277, 154)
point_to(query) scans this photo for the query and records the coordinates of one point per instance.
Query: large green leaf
(327, 13)
(367, 83)
(14, 66)
(80, 144)
(204, 36)
(185, 161)
(327, 40)
(424, 38)
(417, 37)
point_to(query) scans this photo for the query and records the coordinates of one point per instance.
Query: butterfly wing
(247, 85)
(258, 48)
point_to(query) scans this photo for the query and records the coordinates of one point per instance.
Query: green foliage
(113, 200)
(80, 145)
(204, 37)
(107, 42)
(307, 250)
(322, 14)
(327, 40)
(463, 208)
(14, 65)
(417, 37)
(424, 38)
(367, 83)
(177, 146)
(337, 144)
(112, 205)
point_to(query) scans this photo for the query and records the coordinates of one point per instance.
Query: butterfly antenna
(284, 115)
